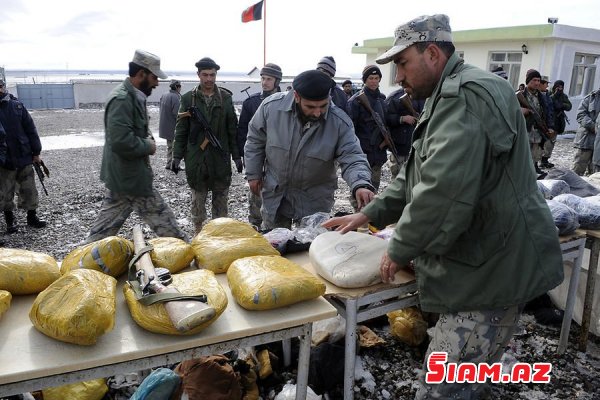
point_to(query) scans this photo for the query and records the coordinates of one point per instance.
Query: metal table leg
(350, 351)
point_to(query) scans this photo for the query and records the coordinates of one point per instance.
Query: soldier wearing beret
(128, 146)
(295, 142)
(207, 164)
(466, 207)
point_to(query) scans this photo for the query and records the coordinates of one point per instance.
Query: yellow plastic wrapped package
(154, 317)
(171, 253)
(224, 240)
(77, 308)
(408, 325)
(110, 255)
(26, 272)
(88, 390)
(267, 282)
(5, 298)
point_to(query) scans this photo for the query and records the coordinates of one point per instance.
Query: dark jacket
(249, 107)
(401, 132)
(22, 139)
(205, 167)
(339, 97)
(365, 127)
(126, 157)
(169, 106)
(3, 149)
(560, 103)
(466, 206)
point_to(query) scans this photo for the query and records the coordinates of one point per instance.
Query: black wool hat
(371, 70)
(271, 69)
(313, 85)
(532, 73)
(207, 63)
(347, 82)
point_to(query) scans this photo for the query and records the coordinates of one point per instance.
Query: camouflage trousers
(220, 196)
(474, 336)
(582, 162)
(375, 181)
(547, 148)
(254, 205)
(21, 181)
(169, 153)
(536, 151)
(117, 207)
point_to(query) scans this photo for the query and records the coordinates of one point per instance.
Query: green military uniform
(207, 168)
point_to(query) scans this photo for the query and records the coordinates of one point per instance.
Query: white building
(568, 53)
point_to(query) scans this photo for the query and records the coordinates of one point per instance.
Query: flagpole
(265, 33)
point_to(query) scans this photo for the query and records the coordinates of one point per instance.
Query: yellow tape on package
(154, 317)
(26, 272)
(77, 308)
(267, 282)
(110, 255)
(88, 390)
(224, 240)
(171, 253)
(5, 298)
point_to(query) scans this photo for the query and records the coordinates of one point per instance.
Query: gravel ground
(75, 195)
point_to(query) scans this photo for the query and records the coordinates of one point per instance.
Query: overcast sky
(103, 34)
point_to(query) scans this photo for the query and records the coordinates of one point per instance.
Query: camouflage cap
(149, 61)
(426, 28)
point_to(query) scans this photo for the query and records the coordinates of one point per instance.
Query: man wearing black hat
(365, 127)
(270, 78)
(467, 211)
(295, 140)
(129, 144)
(535, 114)
(347, 88)
(169, 106)
(207, 164)
(327, 64)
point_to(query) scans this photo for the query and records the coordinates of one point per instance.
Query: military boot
(545, 163)
(11, 226)
(34, 221)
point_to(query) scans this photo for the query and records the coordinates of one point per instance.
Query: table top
(26, 353)
(402, 278)
(578, 234)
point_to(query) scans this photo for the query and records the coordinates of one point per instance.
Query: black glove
(175, 165)
(239, 165)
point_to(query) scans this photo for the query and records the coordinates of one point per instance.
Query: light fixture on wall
(524, 49)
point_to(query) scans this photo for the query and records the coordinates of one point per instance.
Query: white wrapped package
(348, 261)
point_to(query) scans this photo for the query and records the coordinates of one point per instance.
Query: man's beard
(145, 87)
(307, 118)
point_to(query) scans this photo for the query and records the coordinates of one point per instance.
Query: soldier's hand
(408, 119)
(152, 144)
(239, 165)
(255, 186)
(175, 165)
(37, 159)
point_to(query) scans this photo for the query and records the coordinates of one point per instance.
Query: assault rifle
(209, 136)
(537, 118)
(39, 167)
(150, 286)
(407, 103)
(387, 137)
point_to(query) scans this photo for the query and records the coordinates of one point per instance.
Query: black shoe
(11, 226)
(537, 168)
(546, 164)
(549, 316)
(34, 221)
(541, 176)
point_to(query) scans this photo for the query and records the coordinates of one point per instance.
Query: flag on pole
(253, 13)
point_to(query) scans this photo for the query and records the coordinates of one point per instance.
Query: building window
(584, 74)
(510, 62)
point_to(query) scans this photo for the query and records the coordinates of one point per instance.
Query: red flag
(253, 13)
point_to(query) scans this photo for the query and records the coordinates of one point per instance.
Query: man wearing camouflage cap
(270, 78)
(466, 206)
(128, 146)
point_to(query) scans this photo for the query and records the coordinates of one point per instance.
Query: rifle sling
(148, 299)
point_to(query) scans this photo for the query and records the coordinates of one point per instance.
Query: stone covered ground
(388, 371)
